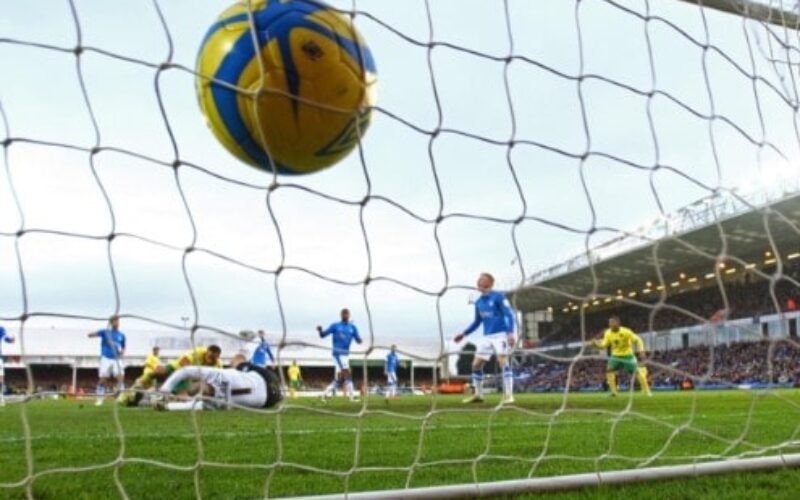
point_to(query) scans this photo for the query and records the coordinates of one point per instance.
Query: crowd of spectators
(761, 362)
(749, 296)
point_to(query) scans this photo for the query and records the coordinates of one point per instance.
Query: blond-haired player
(494, 313)
(622, 340)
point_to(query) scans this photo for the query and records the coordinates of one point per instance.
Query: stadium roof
(687, 247)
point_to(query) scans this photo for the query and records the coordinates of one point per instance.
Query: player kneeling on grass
(621, 341)
(491, 310)
(246, 385)
(145, 380)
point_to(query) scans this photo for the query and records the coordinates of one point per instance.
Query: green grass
(311, 448)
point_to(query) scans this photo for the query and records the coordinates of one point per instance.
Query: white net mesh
(508, 134)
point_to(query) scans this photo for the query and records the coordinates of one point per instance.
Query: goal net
(601, 158)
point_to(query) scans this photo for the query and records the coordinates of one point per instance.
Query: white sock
(194, 404)
(101, 391)
(477, 382)
(331, 388)
(350, 390)
(508, 382)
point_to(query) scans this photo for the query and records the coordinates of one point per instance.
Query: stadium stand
(747, 298)
(737, 364)
(713, 312)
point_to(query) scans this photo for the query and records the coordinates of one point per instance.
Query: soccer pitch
(327, 448)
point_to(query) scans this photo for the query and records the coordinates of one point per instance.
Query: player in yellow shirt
(134, 394)
(294, 379)
(152, 361)
(622, 340)
(199, 356)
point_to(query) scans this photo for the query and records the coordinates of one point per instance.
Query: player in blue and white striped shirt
(262, 352)
(390, 370)
(491, 310)
(5, 337)
(343, 333)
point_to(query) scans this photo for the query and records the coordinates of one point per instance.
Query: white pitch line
(353, 430)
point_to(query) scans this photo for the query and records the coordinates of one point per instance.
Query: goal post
(765, 11)
(577, 481)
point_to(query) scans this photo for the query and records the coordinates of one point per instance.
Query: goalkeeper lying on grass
(211, 388)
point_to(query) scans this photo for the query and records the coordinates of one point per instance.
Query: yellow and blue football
(301, 101)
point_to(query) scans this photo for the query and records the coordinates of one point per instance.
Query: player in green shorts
(621, 341)
(294, 379)
(627, 362)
